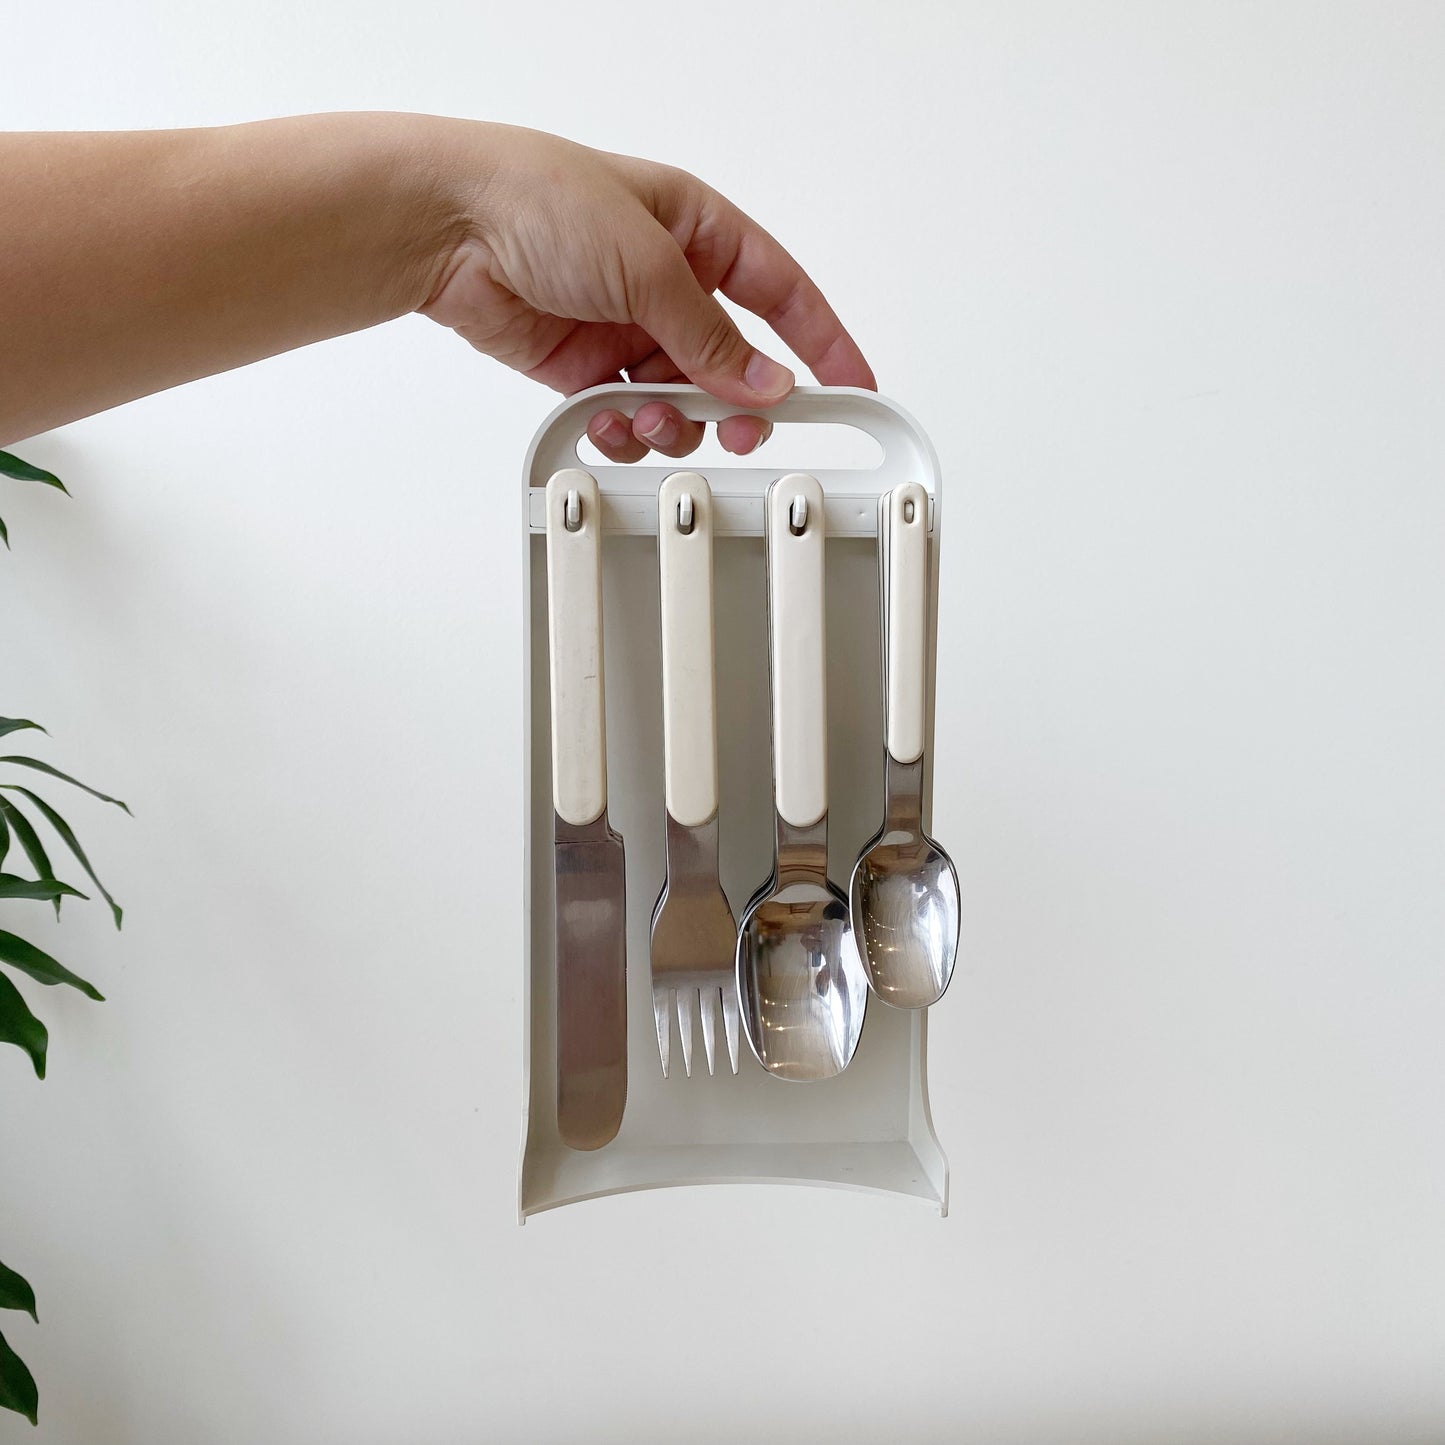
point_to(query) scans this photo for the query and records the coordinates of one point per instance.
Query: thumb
(691, 327)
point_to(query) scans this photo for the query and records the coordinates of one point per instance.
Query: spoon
(800, 981)
(903, 895)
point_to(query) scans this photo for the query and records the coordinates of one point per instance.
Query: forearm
(132, 262)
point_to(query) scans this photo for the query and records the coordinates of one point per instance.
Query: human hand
(223, 245)
(574, 266)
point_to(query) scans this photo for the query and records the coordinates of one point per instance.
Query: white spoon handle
(798, 645)
(903, 539)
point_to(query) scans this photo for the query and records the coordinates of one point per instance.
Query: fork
(694, 935)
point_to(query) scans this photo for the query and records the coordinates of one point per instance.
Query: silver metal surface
(694, 940)
(591, 941)
(904, 899)
(903, 894)
(800, 981)
(802, 985)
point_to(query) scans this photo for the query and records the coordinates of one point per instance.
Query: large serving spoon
(800, 981)
(904, 891)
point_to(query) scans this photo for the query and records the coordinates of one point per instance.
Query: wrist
(416, 177)
(378, 197)
(440, 174)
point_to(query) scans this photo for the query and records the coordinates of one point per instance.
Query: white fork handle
(574, 635)
(798, 643)
(903, 538)
(689, 688)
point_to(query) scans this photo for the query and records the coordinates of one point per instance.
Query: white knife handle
(903, 537)
(574, 635)
(689, 688)
(798, 643)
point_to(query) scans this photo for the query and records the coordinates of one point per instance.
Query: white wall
(1165, 284)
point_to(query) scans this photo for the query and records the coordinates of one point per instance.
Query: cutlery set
(793, 972)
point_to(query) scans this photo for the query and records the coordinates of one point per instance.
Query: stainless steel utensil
(694, 936)
(800, 981)
(591, 918)
(903, 895)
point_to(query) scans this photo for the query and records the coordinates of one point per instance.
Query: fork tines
(687, 1003)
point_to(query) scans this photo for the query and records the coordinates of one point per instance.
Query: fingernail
(766, 377)
(663, 434)
(609, 429)
(765, 431)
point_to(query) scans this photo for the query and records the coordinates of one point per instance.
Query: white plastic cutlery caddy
(867, 1127)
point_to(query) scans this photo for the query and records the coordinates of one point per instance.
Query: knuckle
(676, 184)
(720, 346)
(644, 270)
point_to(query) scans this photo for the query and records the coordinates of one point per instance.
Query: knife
(591, 921)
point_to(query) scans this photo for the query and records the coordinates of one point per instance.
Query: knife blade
(588, 858)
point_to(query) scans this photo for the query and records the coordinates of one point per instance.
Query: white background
(1165, 284)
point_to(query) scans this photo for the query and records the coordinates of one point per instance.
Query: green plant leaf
(4, 837)
(64, 778)
(29, 841)
(14, 886)
(4, 533)
(12, 466)
(70, 841)
(15, 951)
(17, 1385)
(16, 1294)
(15, 724)
(20, 1027)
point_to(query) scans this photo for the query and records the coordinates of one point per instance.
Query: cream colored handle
(574, 635)
(798, 644)
(689, 686)
(903, 539)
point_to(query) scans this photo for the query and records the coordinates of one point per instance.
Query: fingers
(666, 430)
(611, 433)
(772, 285)
(692, 328)
(735, 255)
(743, 434)
(657, 425)
(662, 428)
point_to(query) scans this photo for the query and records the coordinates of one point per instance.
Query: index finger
(760, 274)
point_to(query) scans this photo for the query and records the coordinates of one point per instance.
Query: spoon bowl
(905, 902)
(800, 981)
